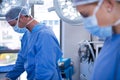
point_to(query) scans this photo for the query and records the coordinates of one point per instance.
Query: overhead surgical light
(13, 2)
(7, 4)
(66, 11)
(31, 2)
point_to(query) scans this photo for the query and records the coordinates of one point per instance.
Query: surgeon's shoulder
(46, 30)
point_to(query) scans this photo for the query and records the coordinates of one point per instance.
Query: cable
(92, 52)
(85, 49)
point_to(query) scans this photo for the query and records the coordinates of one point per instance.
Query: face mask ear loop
(98, 6)
(19, 17)
(29, 22)
(117, 23)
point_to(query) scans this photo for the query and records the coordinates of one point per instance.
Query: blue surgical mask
(91, 24)
(17, 28)
(21, 30)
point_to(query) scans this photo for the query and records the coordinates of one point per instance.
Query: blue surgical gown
(38, 56)
(107, 64)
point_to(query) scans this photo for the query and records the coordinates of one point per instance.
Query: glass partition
(9, 44)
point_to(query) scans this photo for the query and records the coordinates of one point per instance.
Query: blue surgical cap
(82, 2)
(14, 12)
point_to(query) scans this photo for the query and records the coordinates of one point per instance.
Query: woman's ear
(109, 5)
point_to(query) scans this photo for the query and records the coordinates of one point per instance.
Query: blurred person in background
(97, 15)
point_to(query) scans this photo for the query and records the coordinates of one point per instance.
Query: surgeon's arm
(18, 68)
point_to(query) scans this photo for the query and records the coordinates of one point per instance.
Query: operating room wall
(71, 36)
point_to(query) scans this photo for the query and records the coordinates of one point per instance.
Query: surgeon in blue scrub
(40, 50)
(97, 15)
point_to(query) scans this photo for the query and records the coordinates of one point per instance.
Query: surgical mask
(21, 30)
(16, 27)
(91, 24)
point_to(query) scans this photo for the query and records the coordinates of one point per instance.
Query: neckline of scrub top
(37, 27)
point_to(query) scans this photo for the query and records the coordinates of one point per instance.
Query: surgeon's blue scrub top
(107, 64)
(38, 56)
